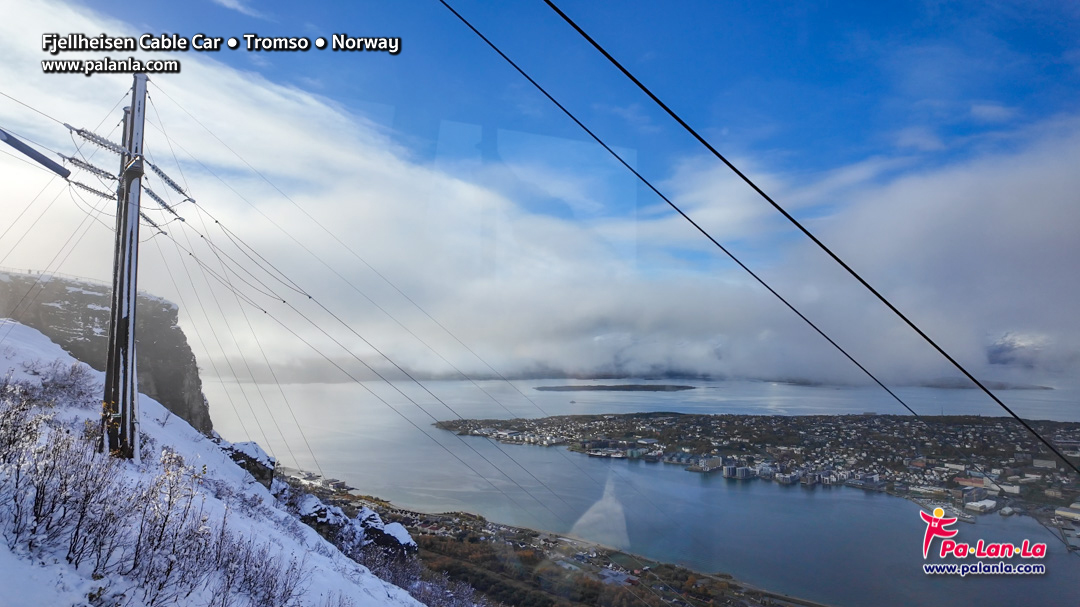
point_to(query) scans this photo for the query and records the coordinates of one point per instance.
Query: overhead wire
(37, 282)
(385, 279)
(281, 278)
(228, 361)
(356, 380)
(23, 160)
(291, 284)
(247, 365)
(102, 142)
(345, 324)
(32, 108)
(213, 362)
(721, 247)
(171, 209)
(14, 313)
(397, 389)
(656, 191)
(795, 222)
(284, 280)
(416, 404)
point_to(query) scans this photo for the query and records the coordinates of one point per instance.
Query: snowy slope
(227, 492)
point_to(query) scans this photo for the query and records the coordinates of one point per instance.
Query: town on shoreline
(967, 464)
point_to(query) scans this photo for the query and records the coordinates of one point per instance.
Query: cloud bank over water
(980, 250)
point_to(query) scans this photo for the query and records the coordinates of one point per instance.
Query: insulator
(150, 222)
(153, 195)
(168, 180)
(96, 139)
(86, 166)
(92, 190)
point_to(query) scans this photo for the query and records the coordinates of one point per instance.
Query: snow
(25, 583)
(252, 511)
(255, 452)
(397, 530)
(84, 291)
(312, 506)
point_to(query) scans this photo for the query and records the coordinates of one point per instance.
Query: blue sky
(930, 143)
(813, 85)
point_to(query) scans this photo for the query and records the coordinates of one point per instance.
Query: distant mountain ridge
(74, 313)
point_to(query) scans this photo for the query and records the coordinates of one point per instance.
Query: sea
(836, 545)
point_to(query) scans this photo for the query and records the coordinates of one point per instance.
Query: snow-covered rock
(75, 314)
(251, 457)
(349, 534)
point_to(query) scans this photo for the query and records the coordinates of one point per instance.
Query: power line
(359, 382)
(209, 242)
(103, 142)
(287, 282)
(801, 228)
(213, 363)
(232, 370)
(282, 278)
(23, 159)
(37, 282)
(30, 107)
(389, 383)
(37, 143)
(258, 387)
(34, 223)
(294, 286)
(649, 184)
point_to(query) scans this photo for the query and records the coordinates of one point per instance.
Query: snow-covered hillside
(189, 526)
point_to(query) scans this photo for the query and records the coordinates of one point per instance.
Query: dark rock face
(75, 315)
(252, 458)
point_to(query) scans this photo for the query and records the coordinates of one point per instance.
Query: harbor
(665, 514)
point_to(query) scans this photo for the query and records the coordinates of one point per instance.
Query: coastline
(334, 491)
(698, 519)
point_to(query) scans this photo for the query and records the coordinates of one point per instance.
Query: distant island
(960, 383)
(616, 388)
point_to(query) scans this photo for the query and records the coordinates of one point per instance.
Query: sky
(932, 145)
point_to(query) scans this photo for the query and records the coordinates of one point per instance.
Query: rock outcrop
(252, 458)
(350, 535)
(75, 314)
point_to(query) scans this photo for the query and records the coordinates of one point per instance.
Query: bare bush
(59, 496)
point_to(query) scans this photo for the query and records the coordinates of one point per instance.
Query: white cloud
(633, 114)
(919, 138)
(992, 112)
(241, 7)
(973, 251)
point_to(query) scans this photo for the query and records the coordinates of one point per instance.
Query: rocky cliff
(75, 315)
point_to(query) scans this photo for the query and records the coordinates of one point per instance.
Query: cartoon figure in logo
(935, 527)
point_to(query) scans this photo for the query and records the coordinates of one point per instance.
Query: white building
(981, 505)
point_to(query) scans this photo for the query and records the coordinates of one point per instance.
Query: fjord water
(837, 545)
